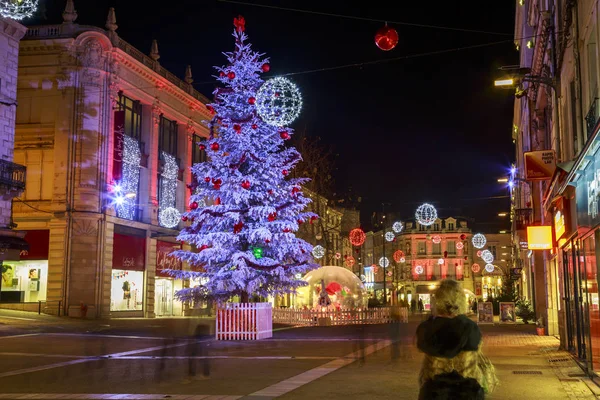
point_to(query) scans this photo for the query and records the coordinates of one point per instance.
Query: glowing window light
(384, 262)
(126, 190)
(278, 101)
(168, 192)
(389, 236)
(18, 9)
(426, 214)
(479, 240)
(398, 226)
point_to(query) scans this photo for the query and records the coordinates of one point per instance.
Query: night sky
(423, 129)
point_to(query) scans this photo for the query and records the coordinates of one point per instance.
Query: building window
(451, 226)
(133, 116)
(167, 139)
(451, 246)
(437, 248)
(198, 155)
(422, 247)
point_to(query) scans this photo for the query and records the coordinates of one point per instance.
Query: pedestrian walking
(413, 305)
(454, 366)
(421, 306)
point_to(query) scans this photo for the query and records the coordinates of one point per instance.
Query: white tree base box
(245, 321)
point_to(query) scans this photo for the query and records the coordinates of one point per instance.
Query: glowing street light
(502, 214)
(502, 180)
(505, 82)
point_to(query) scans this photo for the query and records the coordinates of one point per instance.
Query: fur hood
(447, 337)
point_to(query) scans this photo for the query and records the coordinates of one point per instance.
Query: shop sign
(539, 165)
(39, 241)
(164, 259)
(118, 145)
(559, 224)
(524, 245)
(539, 237)
(129, 252)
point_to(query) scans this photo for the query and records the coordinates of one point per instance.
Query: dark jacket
(445, 342)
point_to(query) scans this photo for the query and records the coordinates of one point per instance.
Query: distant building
(108, 136)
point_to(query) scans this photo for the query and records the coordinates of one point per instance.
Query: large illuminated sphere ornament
(419, 269)
(357, 237)
(398, 226)
(386, 38)
(349, 261)
(398, 255)
(18, 9)
(318, 251)
(459, 245)
(475, 268)
(278, 101)
(169, 217)
(441, 261)
(490, 268)
(479, 253)
(479, 241)
(389, 236)
(437, 239)
(384, 262)
(487, 256)
(426, 214)
(402, 260)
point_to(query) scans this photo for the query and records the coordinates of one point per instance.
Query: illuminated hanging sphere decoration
(459, 245)
(487, 256)
(475, 268)
(298, 276)
(398, 254)
(257, 252)
(386, 38)
(419, 269)
(479, 241)
(338, 256)
(479, 253)
(402, 260)
(169, 217)
(278, 101)
(318, 251)
(349, 261)
(398, 226)
(357, 237)
(441, 261)
(384, 262)
(426, 214)
(18, 9)
(490, 268)
(389, 236)
(437, 239)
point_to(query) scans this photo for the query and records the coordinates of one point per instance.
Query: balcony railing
(591, 119)
(12, 176)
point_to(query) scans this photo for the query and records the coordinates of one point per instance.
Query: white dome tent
(344, 288)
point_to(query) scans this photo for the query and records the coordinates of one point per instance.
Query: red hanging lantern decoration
(386, 38)
(445, 254)
(357, 237)
(349, 261)
(463, 236)
(475, 268)
(398, 255)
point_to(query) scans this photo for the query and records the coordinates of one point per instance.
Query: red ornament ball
(210, 108)
(246, 184)
(194, 205)
(295, 190)
(386, 38)
(207, 179)
(272, 216)
(254, 126)
(231, 75)
(184, 218)
(221, 74)
(237, 228)
(214, 146)
(285, 172)
(202, 147)
(357, 237)
(398, 254)
(217, 201)
(463, 236)
(266, 67)
(300, 222)
(284, 135)
(287, 230)
(251, 100)
(267, 240)
(203, 247)
(475, 268)
(237, 128)
(313, 218)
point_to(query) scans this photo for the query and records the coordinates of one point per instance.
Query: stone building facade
(12, 176)
(108, 136)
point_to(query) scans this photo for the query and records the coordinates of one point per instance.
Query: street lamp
(502, 214)
(517, 76)
(502, 180)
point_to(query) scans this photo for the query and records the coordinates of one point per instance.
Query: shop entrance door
(574, 304)
(164, 297)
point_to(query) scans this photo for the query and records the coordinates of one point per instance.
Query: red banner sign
(129, 252)
(164, 260)
(38, 245)
(119, 131)
(539, 165)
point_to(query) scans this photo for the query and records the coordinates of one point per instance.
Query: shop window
(24, 281)
(127, 289)
(591, 286)
(167, 141)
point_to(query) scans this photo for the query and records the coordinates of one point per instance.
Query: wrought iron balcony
(12, 176)
(591, 119)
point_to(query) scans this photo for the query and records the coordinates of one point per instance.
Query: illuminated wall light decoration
(384, 262)
(318, 252)
(490, 268)
(479, 253)
(441, 261)
(126, 190)
(397, 226)
(487, 256)
(426, 214)
(389, 236)
(398, 254)
(437, 239)
(479, 240)
(168, 192)
(278, 101)
(402, 260)
(18, 9)
(349, 261)
(459, 245)
(357, 237)
(338, 256)
(419, 269)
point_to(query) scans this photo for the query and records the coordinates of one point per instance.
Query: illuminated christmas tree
(245, 238)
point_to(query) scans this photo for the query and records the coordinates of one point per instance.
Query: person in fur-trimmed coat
(453, 366)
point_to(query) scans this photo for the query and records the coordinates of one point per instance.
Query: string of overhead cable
(448, 28)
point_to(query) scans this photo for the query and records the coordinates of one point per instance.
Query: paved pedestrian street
(362, 362)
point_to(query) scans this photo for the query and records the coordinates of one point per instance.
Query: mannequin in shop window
(126, 292)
